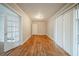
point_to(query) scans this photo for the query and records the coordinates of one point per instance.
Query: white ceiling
(40, 11)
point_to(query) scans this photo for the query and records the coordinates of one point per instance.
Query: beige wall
(42, 27)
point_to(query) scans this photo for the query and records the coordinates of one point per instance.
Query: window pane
(9, 29)
(9, 35)
(17, 29)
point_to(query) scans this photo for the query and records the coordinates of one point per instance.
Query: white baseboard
(50, 37)
(38, 34)
(26, 39)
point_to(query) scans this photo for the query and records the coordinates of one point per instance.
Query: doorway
(34, 29)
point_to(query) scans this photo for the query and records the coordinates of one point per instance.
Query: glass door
(77, 23)
(1, 34)
(10, 29)
(12, 35)
(76, 31)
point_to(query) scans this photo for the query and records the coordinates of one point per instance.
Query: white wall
(42, 27)
(51, 28)
(60, 27)
(68, 30)
(59, 33)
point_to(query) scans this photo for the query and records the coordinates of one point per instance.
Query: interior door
(34, 29)
(12, 32)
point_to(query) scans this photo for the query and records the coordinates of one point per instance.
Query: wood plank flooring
(37, 45)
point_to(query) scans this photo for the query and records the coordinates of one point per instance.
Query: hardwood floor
(37, 45)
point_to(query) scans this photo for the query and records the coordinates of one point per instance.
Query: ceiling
(40, 11)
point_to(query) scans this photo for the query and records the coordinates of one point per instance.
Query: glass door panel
(1, 34)
(13, 28)
(78, 30)
(13, 32)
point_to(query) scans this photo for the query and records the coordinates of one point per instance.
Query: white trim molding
(27, 38)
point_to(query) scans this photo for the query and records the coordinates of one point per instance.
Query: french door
(1, 34)
(10, 26)
(77, 29)
(12, 32)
